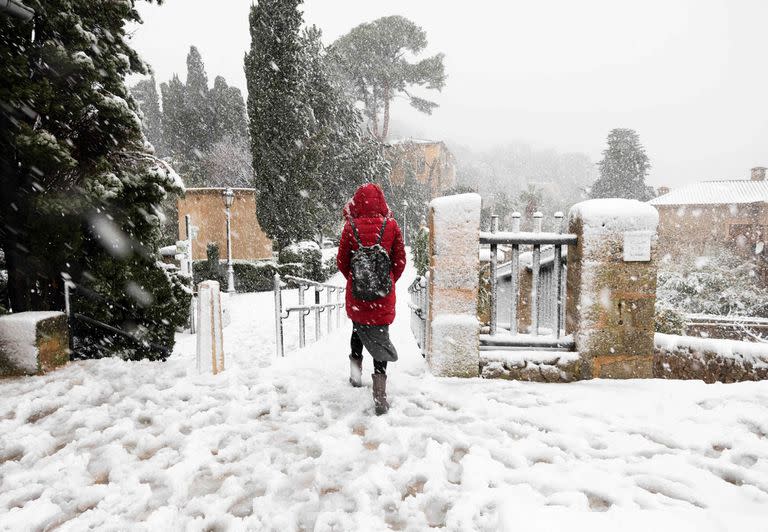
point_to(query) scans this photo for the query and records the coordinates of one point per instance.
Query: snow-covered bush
(254, 276)
(723, 283)
(306, 253)
(667, 319)
(420, 250)
(330, 267)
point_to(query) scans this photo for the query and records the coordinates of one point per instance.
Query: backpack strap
(354, 231)
(357, 235)
(381, 232)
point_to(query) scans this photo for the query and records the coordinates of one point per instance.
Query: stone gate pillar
(612, 287)
(453, 344)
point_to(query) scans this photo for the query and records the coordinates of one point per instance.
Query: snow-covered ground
(288, 445)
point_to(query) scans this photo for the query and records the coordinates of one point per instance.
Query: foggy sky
(690, 76)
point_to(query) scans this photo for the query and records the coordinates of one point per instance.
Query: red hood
(367, 202)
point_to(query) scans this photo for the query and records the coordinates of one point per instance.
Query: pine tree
(82, 199)
(373, 60)
(146, 95)
(623, 168)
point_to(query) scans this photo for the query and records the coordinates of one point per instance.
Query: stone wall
(33, 342)
(536, 366)
(710, 360)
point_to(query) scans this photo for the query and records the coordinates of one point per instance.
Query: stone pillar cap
(615, 214)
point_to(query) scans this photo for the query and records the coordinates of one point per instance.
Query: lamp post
(405, 222)
(229, 198)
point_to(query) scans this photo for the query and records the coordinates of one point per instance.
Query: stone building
(430, 161)
(207, 212)
(702, 217)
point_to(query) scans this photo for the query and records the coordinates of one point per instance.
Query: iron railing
(303, 309)
(76, 317)
(417, 292)
(553, 290)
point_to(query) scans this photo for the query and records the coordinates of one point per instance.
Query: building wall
(699, 228)
(431, 162)
(206, 209)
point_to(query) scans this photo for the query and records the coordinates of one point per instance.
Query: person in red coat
(368, 211)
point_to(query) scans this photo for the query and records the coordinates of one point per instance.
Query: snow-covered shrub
(254, 276)
(213, 262)
(250, 276)
(723, 283)
(329, 267)
(420, 250)
(667, 319)
(306, 253)
(147, 306)
(295, 269)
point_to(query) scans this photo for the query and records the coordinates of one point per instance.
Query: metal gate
(546, 299)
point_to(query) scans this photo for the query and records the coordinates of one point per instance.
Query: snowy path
(288, 445)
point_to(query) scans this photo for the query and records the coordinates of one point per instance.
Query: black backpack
(370, 267)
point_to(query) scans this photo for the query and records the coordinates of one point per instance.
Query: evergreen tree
(308, 153)
(82, 197)
(146, 96)
(279, 118)
(199, 114)
(373, 59)
(623, 168)
(337, 155)
(228, 109)
(175, 123)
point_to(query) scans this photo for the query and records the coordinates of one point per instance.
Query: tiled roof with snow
(716, 193)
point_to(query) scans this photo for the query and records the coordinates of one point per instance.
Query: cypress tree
(308, 150)
(279, 118)
(148, 99)
(228, 108)
(198, 128)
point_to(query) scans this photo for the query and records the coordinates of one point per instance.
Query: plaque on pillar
(637, 246)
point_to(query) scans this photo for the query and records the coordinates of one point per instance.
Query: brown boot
(380, 393)
(356, 371)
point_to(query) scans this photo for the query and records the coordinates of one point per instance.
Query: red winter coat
(368, 208)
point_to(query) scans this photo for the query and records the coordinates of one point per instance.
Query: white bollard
(210, 340)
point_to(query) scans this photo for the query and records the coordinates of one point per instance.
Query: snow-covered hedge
(308, 254)
(249, 276)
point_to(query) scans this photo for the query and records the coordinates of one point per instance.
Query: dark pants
(375, 339)
(357, 352)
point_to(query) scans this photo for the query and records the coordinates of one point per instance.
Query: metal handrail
(310, 282)
(121, 332)
(303, 309)
(418, 290)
